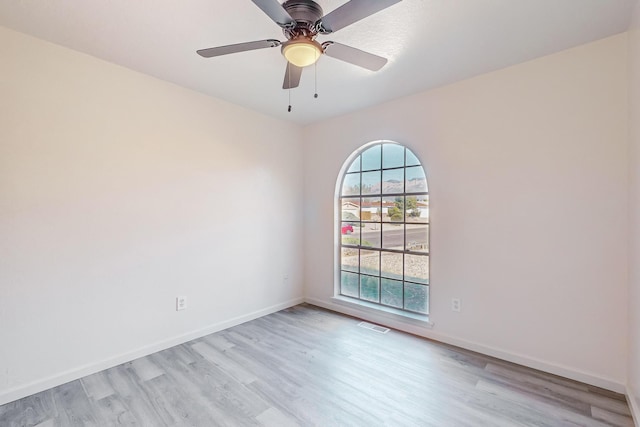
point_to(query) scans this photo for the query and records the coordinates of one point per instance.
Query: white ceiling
(429, 43)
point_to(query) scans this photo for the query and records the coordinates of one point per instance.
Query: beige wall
(634, 211)
(119, 192)
(527, 170)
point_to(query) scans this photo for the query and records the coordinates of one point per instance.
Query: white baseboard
(634, 405)
(91, 368)
(426, 331)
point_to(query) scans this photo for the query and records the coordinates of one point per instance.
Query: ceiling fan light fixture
(302, 52)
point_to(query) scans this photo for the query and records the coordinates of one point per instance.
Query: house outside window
(384, 229)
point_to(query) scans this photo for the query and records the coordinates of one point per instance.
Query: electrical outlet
(455, 304)
(181, 303)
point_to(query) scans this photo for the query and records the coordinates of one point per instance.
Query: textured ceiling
(429, 43)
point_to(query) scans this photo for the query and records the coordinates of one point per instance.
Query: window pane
(417, 237)
(355, 166)
(348, 228)
(392, 156)
(391, 265)
(350, 233)
(393, 181)
(369, 288)
(370, 234)
(349, 259)
(417, 208)
(416, 297)
(371, 182)
(392, 209)
(391, 292)
(350, 208)
(412, 160)
(351, 184)
(371, 158)
(370, 262)
(349, 284)
(416, 268)
(416, 180)
(393, 236)
(370, 209)
(412, 210)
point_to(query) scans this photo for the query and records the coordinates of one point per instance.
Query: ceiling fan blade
(275, 11)
(240, 47)
(351, 12)
(291, 76)
(354, 56)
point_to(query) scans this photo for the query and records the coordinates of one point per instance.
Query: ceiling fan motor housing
(305, 12)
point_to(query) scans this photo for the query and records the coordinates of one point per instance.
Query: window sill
(386, 312)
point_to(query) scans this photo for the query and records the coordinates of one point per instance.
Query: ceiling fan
(301, 22)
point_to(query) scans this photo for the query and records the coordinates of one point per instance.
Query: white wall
(634, 213)
(119, 192)
(527, 169)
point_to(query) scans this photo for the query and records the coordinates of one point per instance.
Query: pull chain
(315, 76)
(289, 77)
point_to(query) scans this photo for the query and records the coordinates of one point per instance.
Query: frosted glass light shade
(302, 53)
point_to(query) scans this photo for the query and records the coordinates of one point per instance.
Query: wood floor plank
(121, 379)
(73, 406)
(548, 413)
(555, 379)
(306, 366)
(273, 417)
(611, 417)
(270, 394)
(224, 362)
(541, 388)
(113, 410)
(218, 341)
(96, 386)
(146, 369)
(30, 411)
(570, 395)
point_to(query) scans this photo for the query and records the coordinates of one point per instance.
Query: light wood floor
(310, 367)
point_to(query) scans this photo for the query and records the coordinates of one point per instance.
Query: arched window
(384, 228)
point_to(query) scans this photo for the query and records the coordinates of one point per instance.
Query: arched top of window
(384, 228)
(401, 171)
